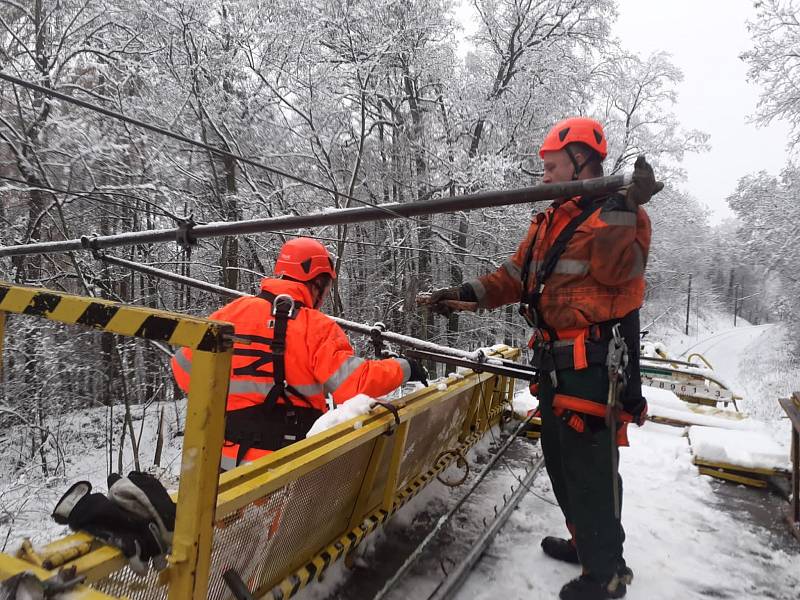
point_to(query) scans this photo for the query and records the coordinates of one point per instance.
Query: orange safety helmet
(576, 129)
(302, 259)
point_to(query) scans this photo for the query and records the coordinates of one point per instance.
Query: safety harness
(568, 349)
(269, 425)
(529, 301)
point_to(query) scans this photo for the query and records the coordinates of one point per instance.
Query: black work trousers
(579, 465)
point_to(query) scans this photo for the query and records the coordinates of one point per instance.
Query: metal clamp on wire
(90, 243)
(460, 462)
(376, 333)
(392, 409)
(183, 236)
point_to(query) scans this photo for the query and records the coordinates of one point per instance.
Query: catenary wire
(209, 148)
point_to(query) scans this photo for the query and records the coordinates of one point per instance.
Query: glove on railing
(138, 517)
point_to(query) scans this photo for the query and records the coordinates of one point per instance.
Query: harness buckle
(283, 298)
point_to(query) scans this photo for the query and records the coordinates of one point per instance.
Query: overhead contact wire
(207, 147)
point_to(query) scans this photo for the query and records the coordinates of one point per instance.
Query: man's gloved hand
(438, 296)
(638, 410)
(144, 496)
(139, 539)
(463, 293)
(418, 372)
(644, 185)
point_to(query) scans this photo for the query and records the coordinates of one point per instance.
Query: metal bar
(459, 574)
(393, 476)
(538, 193)
(444, 519)
(197, 492)
(389, 336)
(518, 371)
(368, 482)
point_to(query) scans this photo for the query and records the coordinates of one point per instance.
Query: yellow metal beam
(247, 483)
(393, 476)
(720, 474)
(115, 317)
(368, 483)
(739, 468)
(10, 566)
(197, 492)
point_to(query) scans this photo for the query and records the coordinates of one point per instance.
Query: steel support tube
(384, 212)
(396, 338)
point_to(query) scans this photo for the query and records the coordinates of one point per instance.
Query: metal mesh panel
(317, 510)
(243, 538)
(125, 583)
(431, 433)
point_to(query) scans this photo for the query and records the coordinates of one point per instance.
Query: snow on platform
(665, 405)
(683, 541)
(746, 449)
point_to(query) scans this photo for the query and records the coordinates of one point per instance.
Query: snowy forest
(380, 101)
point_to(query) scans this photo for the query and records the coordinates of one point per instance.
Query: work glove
(638, 410)
(418, 372)
(138, 539)
(144, 496)
(644, 185)
(463, 292)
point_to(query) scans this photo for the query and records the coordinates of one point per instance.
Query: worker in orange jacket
(578, 273)
(289, 356)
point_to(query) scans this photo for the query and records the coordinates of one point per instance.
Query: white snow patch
(752, 449)
(524, 402)
(350, 409)
(665, 404)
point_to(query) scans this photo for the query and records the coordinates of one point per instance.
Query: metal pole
(459, 575)
(389, 336)
(688, 302)
(735, 303)
(538, 193)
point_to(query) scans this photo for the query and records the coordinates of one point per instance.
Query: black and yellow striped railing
(205, 414)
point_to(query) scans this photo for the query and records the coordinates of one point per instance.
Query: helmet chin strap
(577, 167)
(317, 294)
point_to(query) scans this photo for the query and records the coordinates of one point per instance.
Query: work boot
(586, 587)
(624, 573)
(561, 549)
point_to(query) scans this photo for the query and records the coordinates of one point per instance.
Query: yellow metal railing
(280, 521)
(212, 342)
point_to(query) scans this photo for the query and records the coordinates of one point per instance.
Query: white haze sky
(705, 38)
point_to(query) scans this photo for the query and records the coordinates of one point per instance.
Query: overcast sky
(705, 38)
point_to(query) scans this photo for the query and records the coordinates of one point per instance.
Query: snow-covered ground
(685, 539)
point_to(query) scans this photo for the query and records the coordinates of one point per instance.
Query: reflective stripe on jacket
(599, 277)
(319, 358)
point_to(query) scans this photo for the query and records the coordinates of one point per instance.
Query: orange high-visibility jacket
(319, 358)
(599, 277)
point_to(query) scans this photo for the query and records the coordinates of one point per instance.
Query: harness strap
(529, 301)
(284, 309)
(574, 410)
(587, 407)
